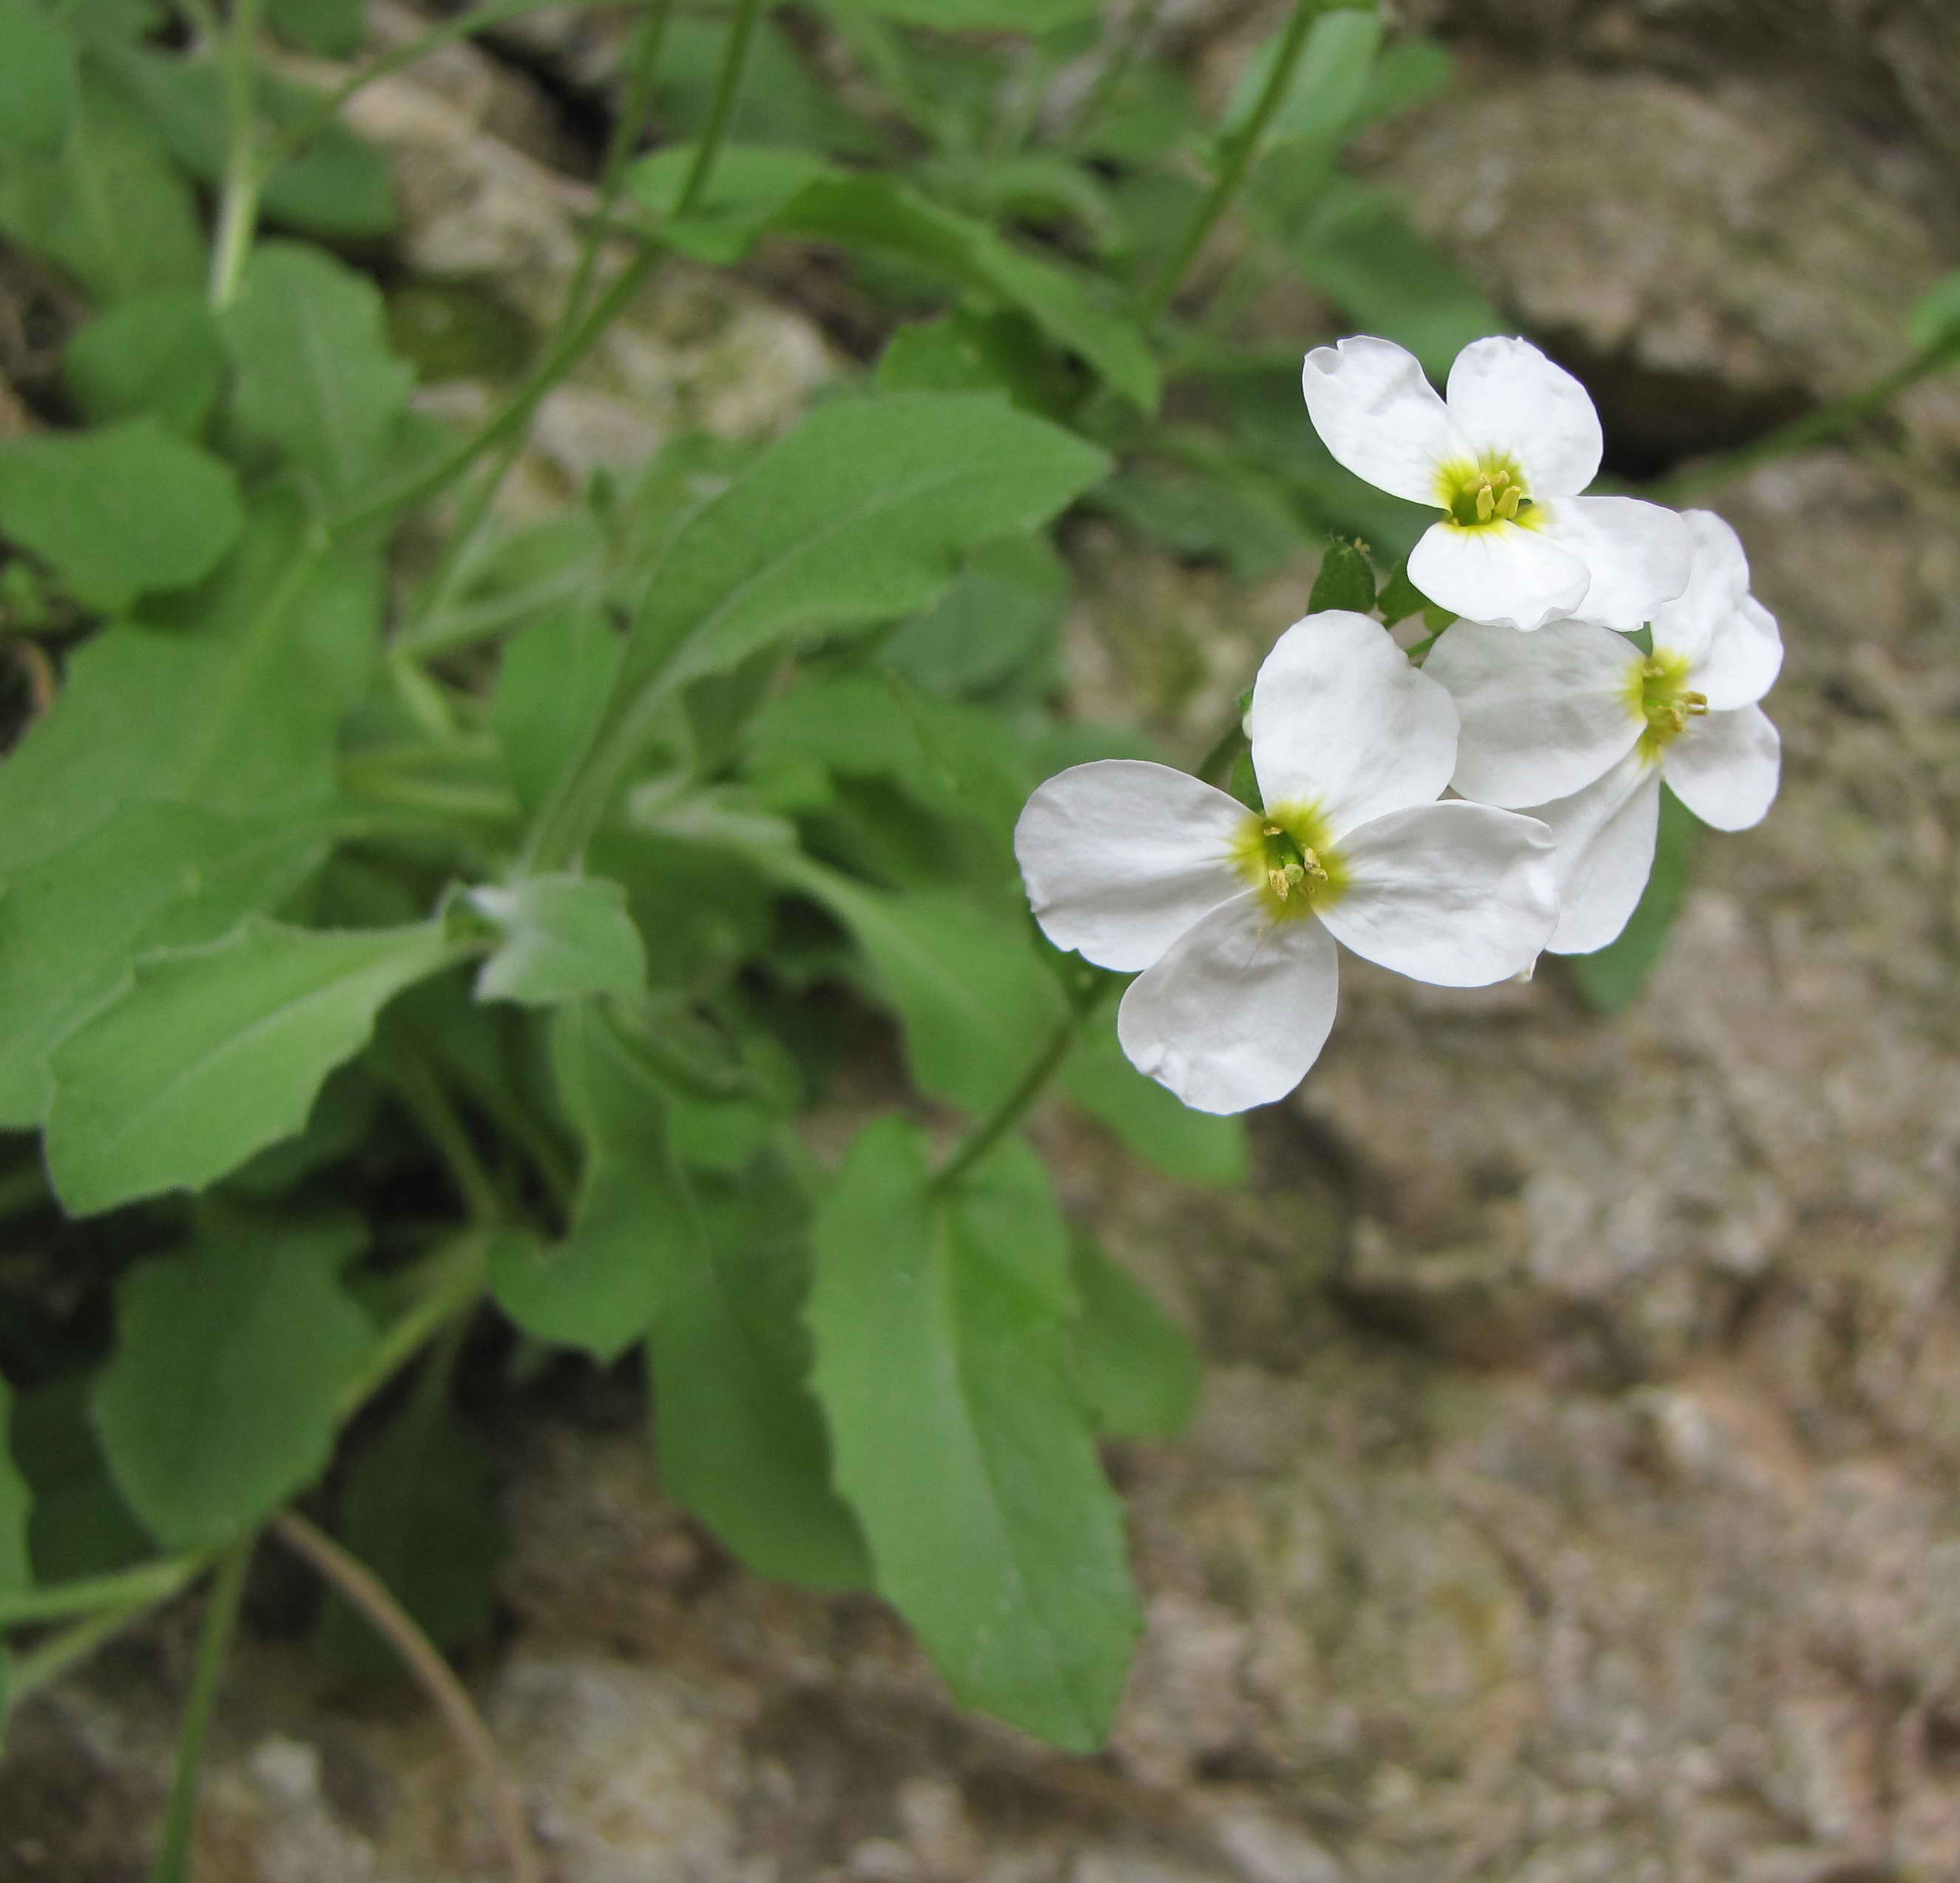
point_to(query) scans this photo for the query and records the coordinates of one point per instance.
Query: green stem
(238, 203)
(365, 1590)
(294, 137)
(726, 86)
(221, 1621)
(47, 1661)
(458, 1269)
(627, 127)
(517, 410)
(419, 1089)
(143, 1586)
(1143, 16)
(1237, 157)
(1826, 422)
(1010, 1111)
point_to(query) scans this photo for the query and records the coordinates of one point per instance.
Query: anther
(1281, 887)
(1696, 703)
(1507, 504)
(1487, 504)
(1314, 867)
(1654, 670)
(1274, 830)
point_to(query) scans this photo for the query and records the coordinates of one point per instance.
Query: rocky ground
(1574, 1494)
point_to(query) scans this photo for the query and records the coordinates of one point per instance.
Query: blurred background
(1573, 1495)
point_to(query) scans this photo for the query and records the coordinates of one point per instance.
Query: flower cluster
(1603, 647)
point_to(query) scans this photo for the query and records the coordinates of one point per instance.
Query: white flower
(1504, 460)
(1581, 728)
(1232, 915)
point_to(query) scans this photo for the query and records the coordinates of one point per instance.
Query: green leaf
(210, 1054)
(1401, 598)
(748, 187)
(564, 937)
(960, 1443)
(966, 16)
(1361, 251)
(16, 1571)
(1611, 976)
(1138, 1369)
(1329, 86)
(420, 1510)
(783, 101)
(120, 511)
(1193, 1146)
(219, 1403)
(634, 1231)
(740, 1440)
(37, 80)
(948, 756)
(999, 620)
(700, 910)
(968, 351)
(334, 28)
(880, 215)
(1226, 515)
(309, 341)
(1345, 580)
(862, 514)
(1935, 319)
(229, 694)
(157, 352)
(80, 1524)
(551, 692)
(110, 209)
(153, 876)
(974, 1000)
(337, 186)
(783, 192)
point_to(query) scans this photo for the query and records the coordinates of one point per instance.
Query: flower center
(1657, 691)
(1477, 495)
(1286, 854)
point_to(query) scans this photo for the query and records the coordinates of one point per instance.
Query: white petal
(1726, 767)
(1121, 856)
(1512, 401)
(1341, 720)
(1457, 895)
(1498, 572)
(1718, 578)
(1381, 418)
(1605, 839)
(1637, 555)
(1742, 661)
(1236, 1012)
(1543, 715)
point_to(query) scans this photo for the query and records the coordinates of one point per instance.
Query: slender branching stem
(366, 1592)
(1814, 428)
(47, 1661)
(238, 200)
(457, 1273)
(144, 1586)
(1008, 1115)
(1236, 157)
(629, 127)
(1134, 35)
(727, 83)
(221, 1622)
(516, 411)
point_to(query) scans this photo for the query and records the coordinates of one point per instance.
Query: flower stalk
(1237, 154)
